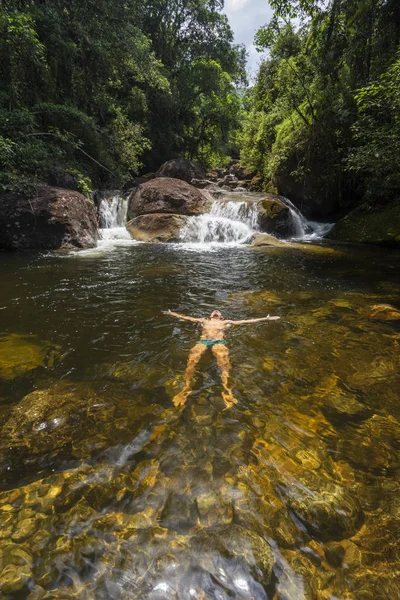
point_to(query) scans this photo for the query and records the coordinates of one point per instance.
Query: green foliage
(377, 134)
(99, 87)
(325, 106)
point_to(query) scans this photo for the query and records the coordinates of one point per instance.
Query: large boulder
(167, 195)
(47, 219)
(265, 239)
(181, 168)
(366, 225)
(274, 216)
(157, 227)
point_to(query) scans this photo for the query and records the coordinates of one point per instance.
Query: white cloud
(231, 5)
(245, 17)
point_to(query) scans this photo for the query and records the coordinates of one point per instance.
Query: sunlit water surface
(109, 492)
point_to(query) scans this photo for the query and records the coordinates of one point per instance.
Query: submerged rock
(341, 409)
(374, 446)
(167, 195)
(15, 579)
(328, 514)
(384, 312)
(156, 227)
(50, 218)
(69, 421)
(181, 168)
(22, 354)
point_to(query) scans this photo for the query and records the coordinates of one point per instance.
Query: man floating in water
(212, 336)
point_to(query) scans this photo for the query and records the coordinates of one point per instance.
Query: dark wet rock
(264, 239)
(341, 409)
(334, 553)
(328, 514)
(167, 195)
(201, 184)
(384, 312)
(20, 355)
(374, 446)
(367, 225)
(181, 168)
(157, 227)
(48, 219)
(180, 513)
(274, 216)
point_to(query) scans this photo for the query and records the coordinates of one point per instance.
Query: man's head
(216, 315)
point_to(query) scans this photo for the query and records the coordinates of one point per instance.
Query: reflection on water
(107, 491)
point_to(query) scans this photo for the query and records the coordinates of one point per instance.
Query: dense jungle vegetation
(323, 118)
(106, 88)
(100, 87)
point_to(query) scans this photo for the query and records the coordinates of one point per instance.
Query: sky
(245, 17)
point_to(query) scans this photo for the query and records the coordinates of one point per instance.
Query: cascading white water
(235, 221)
(113, 211)
(304, 229)
(227, 222)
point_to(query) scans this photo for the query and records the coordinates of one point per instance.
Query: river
(108, 491)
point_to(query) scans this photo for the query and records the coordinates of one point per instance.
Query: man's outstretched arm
(245, 321)
(178, 316)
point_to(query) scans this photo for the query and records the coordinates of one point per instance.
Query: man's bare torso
(214, 329)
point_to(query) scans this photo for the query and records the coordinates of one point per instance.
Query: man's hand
(166, 312)
(249, 321)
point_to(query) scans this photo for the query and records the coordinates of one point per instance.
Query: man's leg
(194, 356)
(221, 353)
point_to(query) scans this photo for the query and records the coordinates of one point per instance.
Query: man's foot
(229, 399)
(180, 399)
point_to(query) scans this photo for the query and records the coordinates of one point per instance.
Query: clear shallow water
(109, 492)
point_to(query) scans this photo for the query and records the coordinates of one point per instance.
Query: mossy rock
(366, 225)
(274, 216)
(20, 355)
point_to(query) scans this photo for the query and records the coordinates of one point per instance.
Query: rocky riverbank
(47, 218)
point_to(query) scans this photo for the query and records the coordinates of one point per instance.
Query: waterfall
(304, 229)
(235, 221)
(227, 222)
(112, 211)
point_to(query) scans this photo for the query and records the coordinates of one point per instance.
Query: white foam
(229, 222)
(113, 211)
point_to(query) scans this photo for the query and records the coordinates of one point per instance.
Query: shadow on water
(108, 491)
